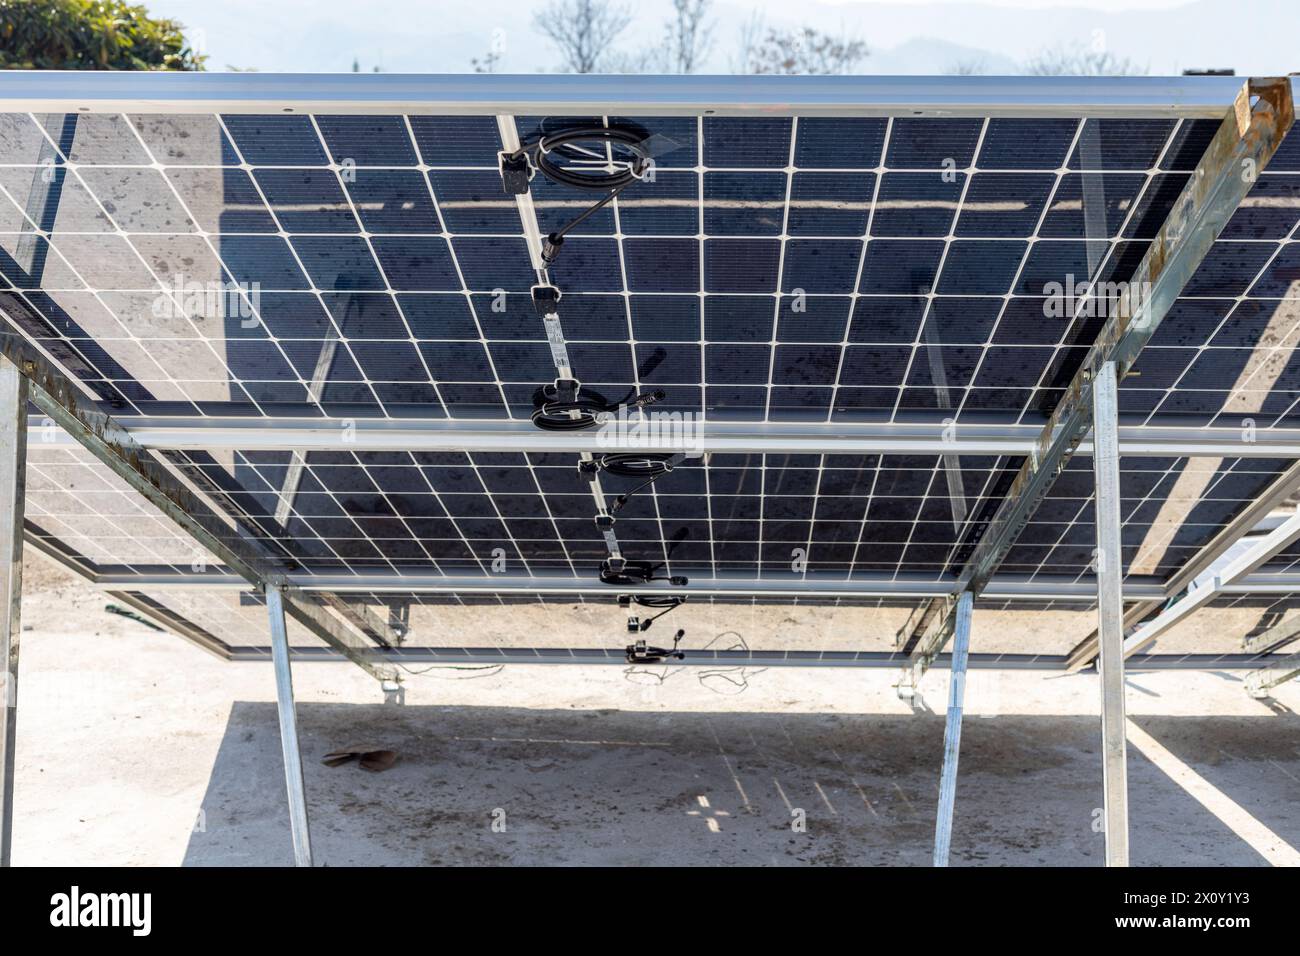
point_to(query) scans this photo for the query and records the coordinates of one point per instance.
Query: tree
(583, 30)
(799, 51)
(1079, 60)
(90, 35)
(689, 35)
(492, 58)
(687, 39)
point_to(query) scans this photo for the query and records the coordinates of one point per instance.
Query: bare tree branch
(1079, 60)
(751, 34)
(582, 30)
(800, 51)
(689, 35)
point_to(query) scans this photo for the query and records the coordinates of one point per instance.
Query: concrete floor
(135, 748)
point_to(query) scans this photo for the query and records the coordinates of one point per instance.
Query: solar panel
(79, 507)
(902, 269)
(777, 268)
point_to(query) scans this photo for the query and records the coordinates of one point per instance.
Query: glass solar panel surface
(776, 268)
(810, 269)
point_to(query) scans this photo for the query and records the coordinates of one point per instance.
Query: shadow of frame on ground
(513, 786)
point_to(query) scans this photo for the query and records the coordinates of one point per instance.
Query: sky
(904, 36)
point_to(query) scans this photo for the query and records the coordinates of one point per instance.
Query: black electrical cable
(565, 146)
(553, 414)
(637, 465)
(669, 601)
(651, 467)
(633, 573)
(656, 602)
(622, 152)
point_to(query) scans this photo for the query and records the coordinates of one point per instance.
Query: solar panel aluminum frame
(1181, 97)
(631, 96)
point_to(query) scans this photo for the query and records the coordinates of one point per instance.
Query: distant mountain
(928, 55)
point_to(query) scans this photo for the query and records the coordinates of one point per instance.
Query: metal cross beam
(100, 434)
(545, 94)
(1249, 518)
(471, 435)
(1246, 140)
(1260, 682)
(1275, 638)
(711, 659)
(868, 585)
(1280, 537)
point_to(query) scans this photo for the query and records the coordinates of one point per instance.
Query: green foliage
(90, 35)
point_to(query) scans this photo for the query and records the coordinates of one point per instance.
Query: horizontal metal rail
(223, 434)
(718, 659)
(1001, 589)
(872, 585)
(618, 95)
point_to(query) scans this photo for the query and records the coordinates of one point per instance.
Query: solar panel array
(771, 269)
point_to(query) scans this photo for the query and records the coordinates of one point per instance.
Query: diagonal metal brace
(58, 398)
(1260, 682)
(934, 630)
(363, 619)
(1247, 138)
